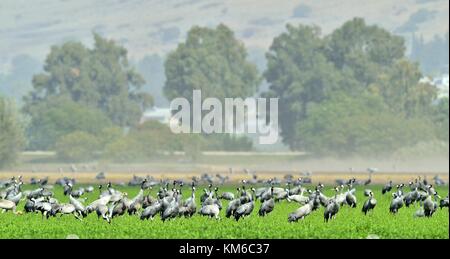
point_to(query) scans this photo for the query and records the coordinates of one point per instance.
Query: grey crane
(206, 193)
(371, 171)
(400, 189)
(136, 202)
(350, 198)
(172, 210)
(190, 206)
(299, 198)
(444, 203)
(89, 189)
(119, 208)
(331, 210)
(100, 176)
(6, 205)
(369, 204)
(232, 207)
(396, 203)
(15, 197)
(44, 207)
(301, 212)
(103, 212)
(211, 211)
(438, 181)
(341, 197)
(67, 209)
(267, 206)
(279, 196)
(411, 197)
(387, 188)
(151, 211)
(79, 207)
(430, 206)
(229, 196)
(245, 209)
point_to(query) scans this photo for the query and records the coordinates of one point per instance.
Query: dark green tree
(364, 51)
(300, 74)
(212, 60)
(99, 78)
(402, 92)
(307, 71)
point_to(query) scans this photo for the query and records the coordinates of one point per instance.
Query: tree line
(352, 92)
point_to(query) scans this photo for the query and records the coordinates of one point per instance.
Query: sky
(147, 27)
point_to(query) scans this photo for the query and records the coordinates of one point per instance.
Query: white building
(441, 83)
(161, 115)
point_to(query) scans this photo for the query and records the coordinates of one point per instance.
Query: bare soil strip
(323, 177)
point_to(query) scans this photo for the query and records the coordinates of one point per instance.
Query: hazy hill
(154, 27)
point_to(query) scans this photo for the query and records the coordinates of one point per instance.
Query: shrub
(11, 134)
(77, 147)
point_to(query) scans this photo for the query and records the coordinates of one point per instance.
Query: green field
(350, 223)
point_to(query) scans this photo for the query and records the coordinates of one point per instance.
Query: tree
(300, 74)
(364, 51)
(211, 60)
(60, 116)
(98, 78)
(402, 92)
(11, 134)
(310, 73)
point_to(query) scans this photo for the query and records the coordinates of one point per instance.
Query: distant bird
(438, 181)
(229, 196)
(371, 171)
(367, 192)
(100, 176)
(444, 203)
(387, 188)
(73, 168)
(89, 189)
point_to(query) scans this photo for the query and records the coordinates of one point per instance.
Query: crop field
(350, 223)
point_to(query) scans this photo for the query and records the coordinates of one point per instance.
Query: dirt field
(323, 177)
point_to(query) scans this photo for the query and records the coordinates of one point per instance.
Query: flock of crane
(169, 202)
